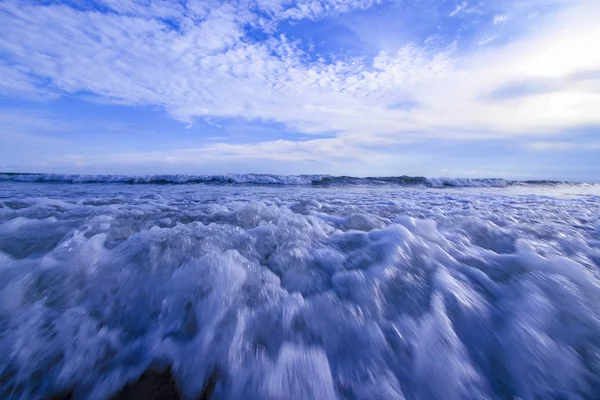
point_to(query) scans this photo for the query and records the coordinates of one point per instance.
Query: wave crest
(270, 179)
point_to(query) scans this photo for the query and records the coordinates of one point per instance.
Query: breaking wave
(269, 179)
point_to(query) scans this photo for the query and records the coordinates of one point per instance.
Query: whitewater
(299, 287)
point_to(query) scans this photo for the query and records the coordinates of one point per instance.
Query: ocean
(299, 287)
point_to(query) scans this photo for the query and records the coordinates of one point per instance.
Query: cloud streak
(230, 60)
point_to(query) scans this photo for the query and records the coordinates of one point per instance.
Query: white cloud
(207, 68)
(563, 146)
(459, 8)
(487, 40)
(500, 19)
(312, 156)
(17, 81)
(16, 120)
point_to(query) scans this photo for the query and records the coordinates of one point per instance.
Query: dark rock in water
(62, 396)
(150, 386)
(161, 386)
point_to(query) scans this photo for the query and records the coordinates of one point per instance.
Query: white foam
(288, 292)
(300, 373)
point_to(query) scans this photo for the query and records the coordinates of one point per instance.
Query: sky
(498, 88)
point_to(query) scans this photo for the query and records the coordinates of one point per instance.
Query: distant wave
(269, 179)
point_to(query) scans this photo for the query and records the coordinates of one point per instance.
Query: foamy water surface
(301, 291)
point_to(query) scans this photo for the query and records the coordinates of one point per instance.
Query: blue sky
(356, 87)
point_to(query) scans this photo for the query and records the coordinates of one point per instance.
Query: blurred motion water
(357, 290)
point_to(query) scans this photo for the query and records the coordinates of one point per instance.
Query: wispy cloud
(487, 40)
(310, 156)
(18, 81)
(500, 19)
(15, 119)
(554, 146)
(231, 60)
(459, 8)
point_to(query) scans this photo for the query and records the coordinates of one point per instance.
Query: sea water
(309, 287)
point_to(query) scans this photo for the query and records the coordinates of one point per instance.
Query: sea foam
(287, 292)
